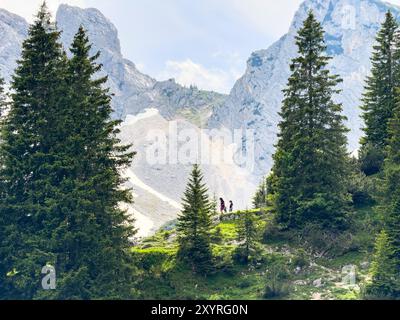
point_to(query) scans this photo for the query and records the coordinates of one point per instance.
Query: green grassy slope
(281, 269)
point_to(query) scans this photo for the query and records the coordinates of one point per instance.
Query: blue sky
(201, 42)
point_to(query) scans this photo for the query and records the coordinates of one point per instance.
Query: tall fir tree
(379, 99)
(4, 224)
(31, 133)
(194, 225)
(94, 238)
(311, 161)
(61, 185)
(386, 264)
(390, 202)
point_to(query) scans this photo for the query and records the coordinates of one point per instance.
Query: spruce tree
(386, 264)
(60, 176)
(247, 236)
(31, 169)
(390, 204)
(310, 168)
(379, 98)
(384, 276)
(4, 224)
(94, 239)
(194, 225)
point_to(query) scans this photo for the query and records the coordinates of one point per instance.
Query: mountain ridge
(134, 91)
(255, 100)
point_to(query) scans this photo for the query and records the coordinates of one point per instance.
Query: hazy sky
(202, 42)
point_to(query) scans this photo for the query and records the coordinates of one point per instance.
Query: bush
(216, 236)
(240, 256)
(276, 290)
(278, 286)
(197, 256)
(324, 242)
(153, 259)
(361, 189)
(223, 259)
(360, 186)
(300, 260)
(371, 159)
(273, 233)
(245, 283)
(374, 292)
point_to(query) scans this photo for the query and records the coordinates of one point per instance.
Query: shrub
(371, 159)
(273, 233)
(245, 283)
(223, 259)
(324, 242)
(361, 189)
(153, 259)
(360, 186)
(277, 286)
(216, 236)
(275, 290)
(300, 260)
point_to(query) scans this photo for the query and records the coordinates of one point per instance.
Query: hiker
(222, 206)
(231, 206)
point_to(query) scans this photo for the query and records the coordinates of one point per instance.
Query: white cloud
(28, 8)
(189, 73)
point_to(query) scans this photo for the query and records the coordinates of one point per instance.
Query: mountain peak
(343, 14)
(13, 30)
(101, 30)
(9, 18)
(350, 29)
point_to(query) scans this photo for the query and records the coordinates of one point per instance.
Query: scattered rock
(316, 296)
(317, 283)
(300, 283)
(365, 265)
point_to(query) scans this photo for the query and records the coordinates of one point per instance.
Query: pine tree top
(44, 18)
(310, 38)
(378, 101)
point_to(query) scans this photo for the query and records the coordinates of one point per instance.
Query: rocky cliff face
(255, 100)
(13, 30)
(134, 91)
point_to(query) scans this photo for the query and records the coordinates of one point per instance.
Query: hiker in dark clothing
(222, 206)
(231, 206)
